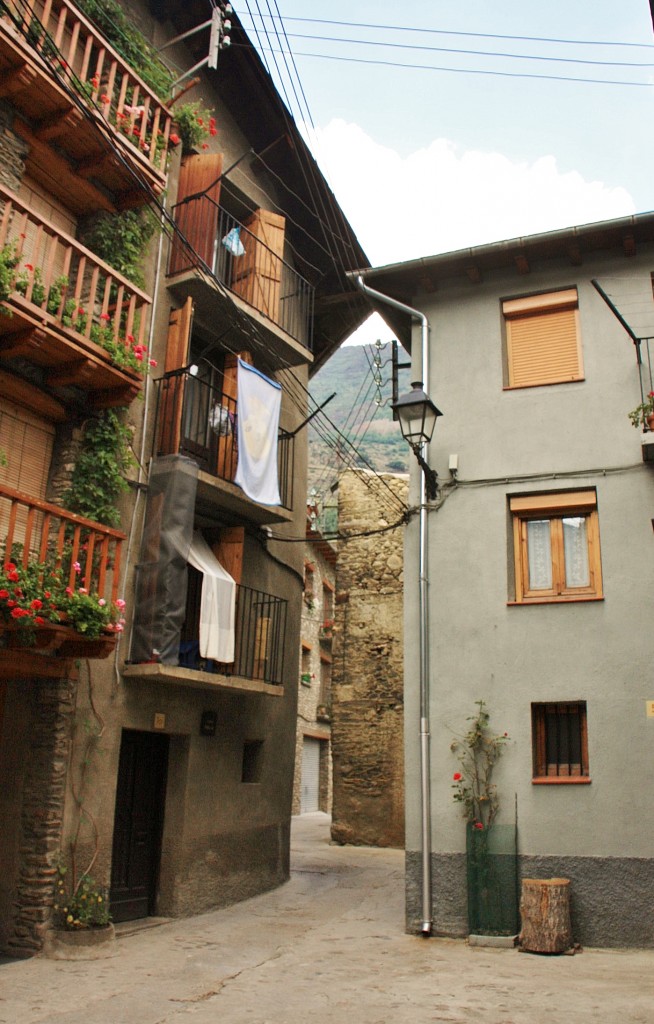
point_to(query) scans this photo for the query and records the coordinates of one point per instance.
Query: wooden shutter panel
(27, 443)
(171, 395)
(543, 339)
(257, 274)
(197, 219)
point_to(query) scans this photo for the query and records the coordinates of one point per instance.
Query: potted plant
(490, 848)
(643, 413)
(82, 928)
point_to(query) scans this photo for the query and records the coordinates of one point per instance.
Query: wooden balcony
(69, 312)
(93, 126)
(45, 542)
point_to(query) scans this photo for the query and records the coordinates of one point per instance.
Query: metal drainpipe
(423, 612)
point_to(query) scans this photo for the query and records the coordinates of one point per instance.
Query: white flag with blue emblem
(257, 425)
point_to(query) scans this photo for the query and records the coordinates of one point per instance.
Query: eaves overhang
(425, 275)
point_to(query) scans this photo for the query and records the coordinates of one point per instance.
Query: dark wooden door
(138, 824)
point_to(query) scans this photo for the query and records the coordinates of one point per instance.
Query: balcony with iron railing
(260, 281)
(196, 419)
(89, 119)
(259, 644)
(67, 311)
(59, 580)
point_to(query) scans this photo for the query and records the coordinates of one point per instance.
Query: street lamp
(417, 415)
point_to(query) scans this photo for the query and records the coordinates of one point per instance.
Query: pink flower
(83, 590)
(153, 362)
(119, 627)
(102, 602)
(457, 776)
(205, 145)
(69, 590)
(105, 316)
(77, 567)
(174, 139)
(29, 266)
(120, 604)
(478, 825)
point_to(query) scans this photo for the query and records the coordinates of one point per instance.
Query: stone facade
(367, 679)
(315, 677)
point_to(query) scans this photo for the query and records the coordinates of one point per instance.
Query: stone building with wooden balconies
(150, 636)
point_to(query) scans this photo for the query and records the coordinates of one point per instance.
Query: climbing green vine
(98, 478)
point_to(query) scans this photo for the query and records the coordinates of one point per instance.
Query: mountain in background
(358, 384)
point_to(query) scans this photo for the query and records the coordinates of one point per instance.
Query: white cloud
(442, 198)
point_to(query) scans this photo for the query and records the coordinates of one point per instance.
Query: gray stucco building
(540, 563)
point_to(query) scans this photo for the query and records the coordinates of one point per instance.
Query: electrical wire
(471, 53)
(472, 71)
(395, 29)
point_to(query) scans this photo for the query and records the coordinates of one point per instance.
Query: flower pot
(650, 421)
(80, 943)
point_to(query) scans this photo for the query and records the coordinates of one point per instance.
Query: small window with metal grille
(560, 742)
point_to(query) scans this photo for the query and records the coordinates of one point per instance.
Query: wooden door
(138, 824)
(171, 394)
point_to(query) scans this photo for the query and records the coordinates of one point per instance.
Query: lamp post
(417, 415)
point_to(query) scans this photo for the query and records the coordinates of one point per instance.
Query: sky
(475, 146)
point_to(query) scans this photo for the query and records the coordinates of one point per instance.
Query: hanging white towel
(257, 425)
(217, 604)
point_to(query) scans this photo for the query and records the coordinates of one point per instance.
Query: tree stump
(545, 914)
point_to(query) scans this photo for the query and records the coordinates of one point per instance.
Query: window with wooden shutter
(556, 547)
(542, 339)
(560, 742)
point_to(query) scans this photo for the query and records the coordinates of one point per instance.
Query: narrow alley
(328, 946)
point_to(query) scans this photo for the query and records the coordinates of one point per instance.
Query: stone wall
(46, 753)
(367, 675)
(13, 150)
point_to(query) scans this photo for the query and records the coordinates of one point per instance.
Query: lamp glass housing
(417, 415)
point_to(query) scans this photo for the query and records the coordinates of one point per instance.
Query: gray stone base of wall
(610, 896)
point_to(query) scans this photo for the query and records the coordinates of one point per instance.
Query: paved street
(327, 947)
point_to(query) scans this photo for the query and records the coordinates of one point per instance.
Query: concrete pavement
(327, 947)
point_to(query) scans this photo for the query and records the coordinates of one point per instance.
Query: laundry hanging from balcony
(257, 423)
(217, 603)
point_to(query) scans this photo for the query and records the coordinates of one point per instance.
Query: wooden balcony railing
(44, 542)
(94, 318)
(69, 53)
(32, 530)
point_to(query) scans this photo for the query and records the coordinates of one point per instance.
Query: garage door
(310, 775)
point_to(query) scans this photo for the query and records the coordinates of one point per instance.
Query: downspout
(423, 617)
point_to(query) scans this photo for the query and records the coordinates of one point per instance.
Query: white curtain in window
(575, 547)
(539, 553)
(217, 603)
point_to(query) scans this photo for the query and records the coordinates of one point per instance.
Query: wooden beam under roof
(522, 264)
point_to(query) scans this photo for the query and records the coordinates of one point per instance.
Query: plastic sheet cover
(161, 575)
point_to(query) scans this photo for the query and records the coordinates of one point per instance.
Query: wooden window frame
(558, 773)
(555, 507)
(543, 342)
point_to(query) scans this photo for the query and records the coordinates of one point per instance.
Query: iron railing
(245, 264)
(197, 419)
(260, 635)
(84, 553)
